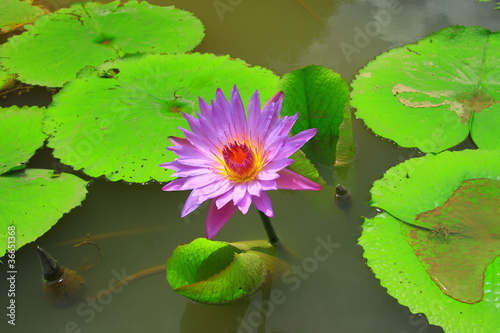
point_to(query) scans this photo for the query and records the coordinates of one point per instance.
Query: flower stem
(271, 234)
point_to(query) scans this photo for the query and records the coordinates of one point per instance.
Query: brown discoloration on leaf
(461, 239)
(462, 104)
(476, 101)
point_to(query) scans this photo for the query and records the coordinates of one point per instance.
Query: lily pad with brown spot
(436, 246)
(456, 241)
(432, 94)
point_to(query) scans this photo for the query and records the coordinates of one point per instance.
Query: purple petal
(217, 218)
(175, 185)
(244, 203)
(239, 192)
(205, 108)
(289, 122)
(201, 181)
(253, 112)
(268, 185)
(296, 142)
(179, 141)
(225, 198)
(290, 180)
(185, 170)
(238, 114)
(264, 204)
(201, 144)
(191, 204)
(193, 123)
(267, 175)
(277, 165)
(254, 187)
(206, 193)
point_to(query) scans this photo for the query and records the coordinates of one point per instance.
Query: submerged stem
(271, 234)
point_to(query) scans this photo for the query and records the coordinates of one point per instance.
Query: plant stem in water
(271, 234)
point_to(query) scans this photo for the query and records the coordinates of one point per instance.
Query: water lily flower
(233, 161)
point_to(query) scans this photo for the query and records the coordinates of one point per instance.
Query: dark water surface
(338, 293)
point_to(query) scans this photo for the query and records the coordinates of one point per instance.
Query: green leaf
(217, 272)
(430, 95)
(407, 196)
(93, 34)
(320, 96)
(15, 13)
(21, 132)
(6, 80)
(456, 241)
(304, 167)
(425, 184)
(394, 262)
(33, 202)
(124, 121)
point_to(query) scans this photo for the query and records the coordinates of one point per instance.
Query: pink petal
(264, 204)
(217, 218)
(290, 180)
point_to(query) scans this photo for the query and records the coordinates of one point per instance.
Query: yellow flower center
(241, 163)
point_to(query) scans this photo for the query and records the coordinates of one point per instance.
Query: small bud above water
(61, 286)
(343, 198)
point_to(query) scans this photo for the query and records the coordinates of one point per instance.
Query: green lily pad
(95, 33)
(21, 132)
(431, 94)
(115, 120)
(32, 200)
(320, 97)
(412, 193)
(460, 238)
(217, 272)
(394, 262)
(16, 13)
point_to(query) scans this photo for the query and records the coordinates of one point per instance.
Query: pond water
(338, 294)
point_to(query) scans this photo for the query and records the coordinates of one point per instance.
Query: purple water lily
(234, 161)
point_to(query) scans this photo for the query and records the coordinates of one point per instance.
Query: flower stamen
(240, 161)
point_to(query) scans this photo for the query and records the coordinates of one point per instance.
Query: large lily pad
(21, 130)
(15, 13)
(217, 272)
(115, 120)
(33, 201)
(94, 33)
(320, 97)
(433, 211)
(432, 94)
